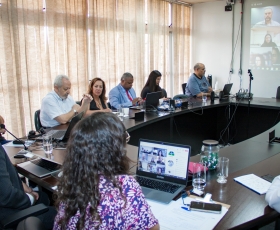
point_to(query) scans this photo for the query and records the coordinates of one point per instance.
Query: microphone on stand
(2, 126)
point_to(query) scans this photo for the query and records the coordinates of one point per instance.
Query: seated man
(2, 131)
(58, 107)
(273, 194)
(16, 195)
(123, 94)
(198, 85)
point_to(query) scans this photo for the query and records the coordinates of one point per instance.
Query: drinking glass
(120, 113)
(125, 112)
(204, 97)
(199, 176)
(48, 146)
(222, 169)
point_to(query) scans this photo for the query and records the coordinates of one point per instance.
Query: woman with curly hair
(97, 90)
(95, 190)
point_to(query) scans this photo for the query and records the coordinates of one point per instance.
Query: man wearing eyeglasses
(198, 85)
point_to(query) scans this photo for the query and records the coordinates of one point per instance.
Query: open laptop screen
(163, 159)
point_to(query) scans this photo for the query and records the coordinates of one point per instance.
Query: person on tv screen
(268, 14)
(275, 56)
(268, 41)
(259, 61)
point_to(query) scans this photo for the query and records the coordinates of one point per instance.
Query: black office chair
(31, 223)
(37, 121)
(278, 93)
(184, 87)
(180, 96)
(13, 220)
(164, 93)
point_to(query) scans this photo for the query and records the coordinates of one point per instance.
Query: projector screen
(265, 36)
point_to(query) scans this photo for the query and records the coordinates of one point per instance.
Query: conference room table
(246, 146)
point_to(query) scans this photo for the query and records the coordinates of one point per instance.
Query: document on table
(172, 216)
(254, 183)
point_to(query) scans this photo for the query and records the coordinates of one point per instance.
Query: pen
(185, 208)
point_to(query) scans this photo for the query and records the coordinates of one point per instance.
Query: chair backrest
(278, 93)
(184, 87)
(37, 121)
(164, 92)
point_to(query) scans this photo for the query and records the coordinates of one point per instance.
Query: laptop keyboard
(56, 134)
(49, 165)
(157, 185)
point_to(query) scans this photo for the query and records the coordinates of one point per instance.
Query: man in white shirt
(268, 13)
(58, 107)
(273, 194)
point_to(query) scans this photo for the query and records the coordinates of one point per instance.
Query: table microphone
(2, 126)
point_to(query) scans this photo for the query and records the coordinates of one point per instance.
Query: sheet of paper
(254, 183)
(173, 217)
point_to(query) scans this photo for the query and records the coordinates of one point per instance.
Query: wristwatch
(75, 112)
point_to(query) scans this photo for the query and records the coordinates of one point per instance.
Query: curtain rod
(179, 2)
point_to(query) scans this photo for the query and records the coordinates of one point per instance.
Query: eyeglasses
(127, 137)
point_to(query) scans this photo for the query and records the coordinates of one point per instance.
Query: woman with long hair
(96, 190)
(97, 90)
(268, 41)
(152, 84)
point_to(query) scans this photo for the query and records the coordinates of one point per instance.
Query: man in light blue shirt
(198, 85)
(123, 94)
(58, 107)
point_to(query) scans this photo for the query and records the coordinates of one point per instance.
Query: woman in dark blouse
(97, 90)
(268, 41)
(152, 84)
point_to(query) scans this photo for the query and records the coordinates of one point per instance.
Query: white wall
(212, 45)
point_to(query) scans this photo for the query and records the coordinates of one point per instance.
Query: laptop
(63, 135)
(162, 170)
(152, 101)
(226, 90)
(40, 167)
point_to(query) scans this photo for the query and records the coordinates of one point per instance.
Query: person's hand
(2, 131)
(135, 100)
(75, 107)
(35, 195)
(106, 110)
(210, 89)
(87, 99)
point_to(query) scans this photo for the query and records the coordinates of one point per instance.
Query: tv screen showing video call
(265, 35)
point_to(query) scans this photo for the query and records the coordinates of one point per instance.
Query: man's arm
(64, 118)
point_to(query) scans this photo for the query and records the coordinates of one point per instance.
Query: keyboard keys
(157, 185)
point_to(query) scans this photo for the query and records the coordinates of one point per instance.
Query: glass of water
(48, 146)
(199, 176)
(222, 170)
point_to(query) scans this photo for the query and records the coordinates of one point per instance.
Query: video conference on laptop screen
(163, 159)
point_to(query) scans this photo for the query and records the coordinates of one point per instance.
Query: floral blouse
(113, 211)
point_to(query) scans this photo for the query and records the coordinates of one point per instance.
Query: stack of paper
(254, 183)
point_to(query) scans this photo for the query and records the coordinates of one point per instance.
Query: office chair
(278, 93)
(31, 223)
(12, 221)
(164, 93)
(37, 121)
(180, 96)
(184, 87)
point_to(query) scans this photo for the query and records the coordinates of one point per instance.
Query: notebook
(162, 169)
(63, 135)
(226, 90)
(152, 100)
(40, 167)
